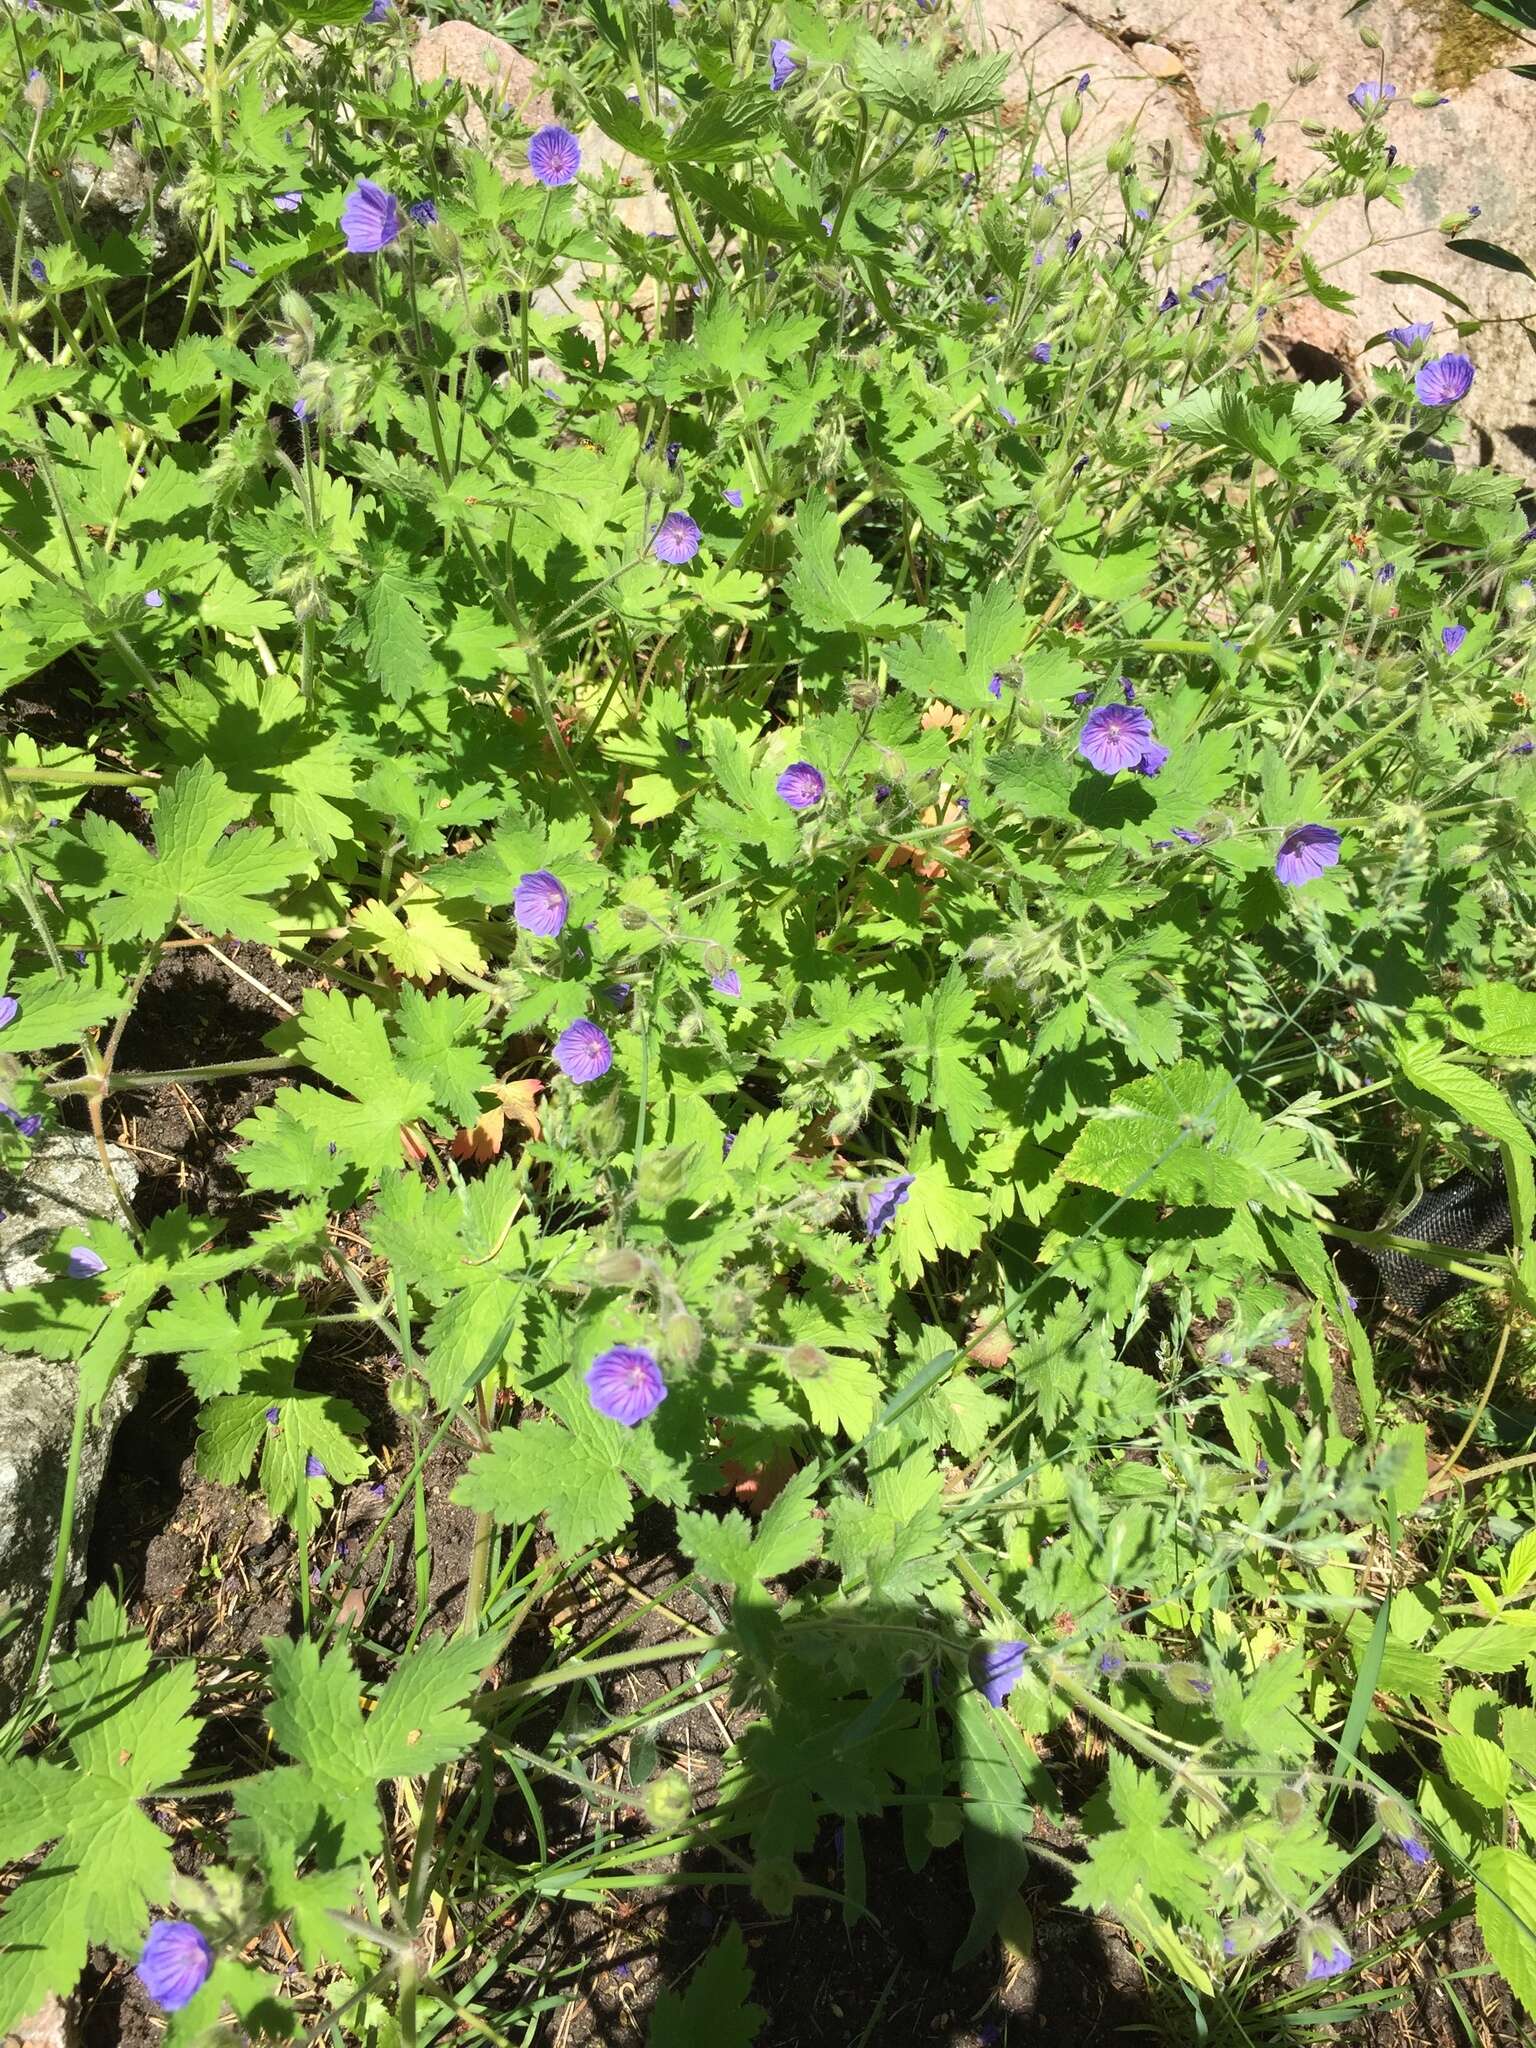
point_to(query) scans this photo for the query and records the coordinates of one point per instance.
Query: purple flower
(726, 984)
(1406, 339)
(625, 1384)
(1451, 638)
(245, 269)
(582, 1051)
(1153, 760)
(618, 993)
(379, 12)
(10, 1010)
(1306, 852)
(1210, 287)
(1168, 301)
(153, 600)
(84, 1264)
(1190, 838)
(274, 1415)
(313, 1469)
(1114, 737)
(1083, 83)
(996, 1669)
(1128, 689)
(995, 688)
(1041, 351)
(801, 785)
(540, 904)
(554, 156)
(175, 1964)
(1074, 242)
(1325, 1955)
(885, 1201)
(370, 219)
(1011, 417)
(1111, 1663)
(288, 202)
(29, 1126)
(36, 271)
(1368, 96)
(732, 498)
(423, 212)
(676, 540)
(1443, 380)
(301, 408)
(781, 64)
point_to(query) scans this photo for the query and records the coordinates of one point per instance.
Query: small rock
(51, 2026)
(1156, 58)
(485, 65)
(64, 1184)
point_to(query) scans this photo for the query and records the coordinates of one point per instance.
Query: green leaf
(573, 1476)
(127, 1734)
(832, 595)
(216, 1347)
(1110, 571)
(1470, 1096)
(910, 84)
(399, 649)
(716, 2007)
(1496, 1017)
(1477, 1766)
(1492, 254)
(1423, 284)
(1143, 1860)
(1186, 1135)
(726, 1548)
(936, 1217)
(998, 1815)
(199, 870)
(1506, 1916)
(235, 1431)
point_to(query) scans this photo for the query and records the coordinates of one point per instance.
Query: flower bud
(632, 918)
(1302, 70)
(619, 1268)
(294, 334)
(864, 694)
(652, 472)
(806, 1361)
(1314, 130)
(1455, 223)
(1369, 37)
(1121, 152)
(667, 1801)
(682, 1336)
(1070, 117)
(1427, 99)
(35, 92)
(1187, 1683)
(663, 1173)
(1521, 600)
(410, 1397)
(1288, 1806)
(775, 1883)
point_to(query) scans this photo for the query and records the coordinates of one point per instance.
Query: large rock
(488, 68)
(64, 1184)
(1474, 151)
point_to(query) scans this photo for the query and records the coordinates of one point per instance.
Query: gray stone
(53, 2025)
(1475, 150)
(64, 1184)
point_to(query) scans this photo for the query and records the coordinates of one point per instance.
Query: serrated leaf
(198, 870)
(1477, 1766)
(715, 2008)
(571, 1475)
(1506, 1916)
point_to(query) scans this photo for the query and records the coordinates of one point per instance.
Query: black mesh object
(1463, 1214)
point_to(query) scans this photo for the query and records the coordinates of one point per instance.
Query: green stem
(223, 1070)
(66, 1533)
